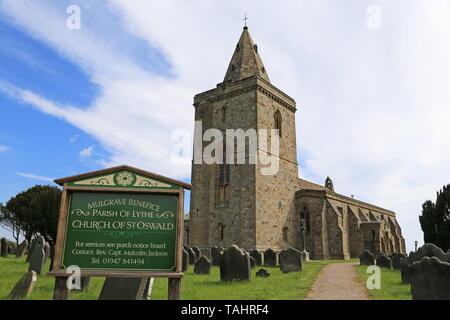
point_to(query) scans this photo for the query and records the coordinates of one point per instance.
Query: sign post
(120, 222)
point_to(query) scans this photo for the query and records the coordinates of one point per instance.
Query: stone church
(236, 204)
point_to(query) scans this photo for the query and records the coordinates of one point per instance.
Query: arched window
(278, 122)
(221, 230)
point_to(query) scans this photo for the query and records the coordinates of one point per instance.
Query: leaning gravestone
(202, 265)
(252, 263)
(262, 273)
(192, 255)
(215, 255)
(22, 249)
(25, 286)
(395, 260)
(234, 264)
(430, 279)
(258, 256)
(383, 261)
(4, 248)
(290, 260)
(270, 258)
(124, 289)
(197, 251)
(185, 263)
(366, 258)
(37, 256)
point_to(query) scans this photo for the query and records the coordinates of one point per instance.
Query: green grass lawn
(391, 285)
(278, 286)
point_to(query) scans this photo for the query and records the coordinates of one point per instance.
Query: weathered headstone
(270, 258)
(202, 265)
(197, 252)
(366, 258)
(252, 263)
(234, 264)
(185, 264)
(383, 261)
(4, 248)
(47, 252)
(395, 260)
(263, 273)
(192, 255)
(290, 260)
(430, 279)
(31, 249)
(37, 256)
(22, 249)
(215, 255)
(124, 289)
(25, 286)
(258, 256)
(427, 250)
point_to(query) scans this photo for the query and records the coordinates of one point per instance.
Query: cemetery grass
(278, 286)
(392, 287)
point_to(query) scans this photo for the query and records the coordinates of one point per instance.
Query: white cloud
(373, 111)
(3, 148)
(33, 176)
(87, 152)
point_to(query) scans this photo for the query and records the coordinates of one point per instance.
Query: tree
(435, 219)
(10, 222)
(37, 211)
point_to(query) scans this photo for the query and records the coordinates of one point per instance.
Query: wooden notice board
(120, 222)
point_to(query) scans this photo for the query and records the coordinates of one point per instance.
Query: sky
(370, 79)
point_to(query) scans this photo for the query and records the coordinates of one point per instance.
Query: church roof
(246, 61)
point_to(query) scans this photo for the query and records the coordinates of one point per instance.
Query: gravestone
(404, 270)
(427, 250)
(47, 252)
(185, 264)
(366, 258)
(383, 261)
(207, 253)
(31, 249)
(395, 260)
(234, 264)
(37, 256)
(4, 248)
(124, 289)
(270, 258)
(202, 265)
(252, 263)
(25, 286)
(22, 249)
(258, 256)
(262, 273)
(430, 279)
(192, 255)
(290, 260)
(197, 252)
(215, 255)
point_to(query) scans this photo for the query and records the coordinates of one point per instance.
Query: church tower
(237, 203)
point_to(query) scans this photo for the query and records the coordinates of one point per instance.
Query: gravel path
(338, 281)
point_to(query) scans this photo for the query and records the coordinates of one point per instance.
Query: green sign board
(121, 231)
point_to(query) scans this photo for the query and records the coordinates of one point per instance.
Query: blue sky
(373, 102)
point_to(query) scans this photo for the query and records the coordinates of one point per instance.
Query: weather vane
(245, 19)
